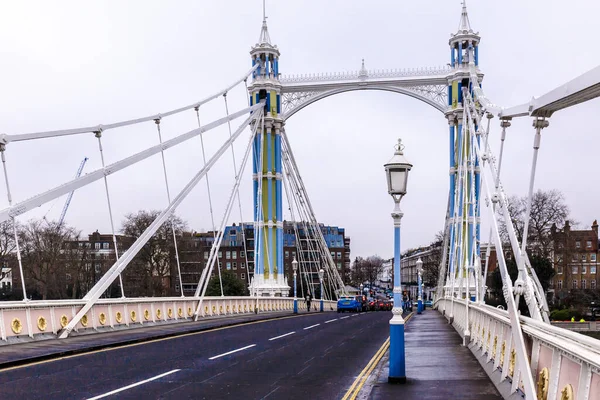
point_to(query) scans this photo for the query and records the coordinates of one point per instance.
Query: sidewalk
(437, 366)
(23, 353)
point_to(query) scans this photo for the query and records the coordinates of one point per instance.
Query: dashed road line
(133, 385)
(280, 336)
(331, 320)
(232, 351)
(312, 326)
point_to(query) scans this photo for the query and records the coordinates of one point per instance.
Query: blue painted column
(397, 371)
(460, 53)
(295, 295)
(460, 205)
(256, 150)
(452, 147)
(477, 55)
(477, 203)
(420, 294)
(452, 56)
(321, 296)
(279, 202)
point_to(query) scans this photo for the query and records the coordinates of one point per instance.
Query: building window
(97, 268)
(232, 232)
(593, 269)
(339, 265)
(287, 254)
(243, 265)
(220, 266)
(339, 255)
(575, 269)
(293, 254)
(584, 258)
(242, 254)
(574, 257)
(228, 265)
(105, 246)
(234, 265)
(220, 254)
(333, 254)
(177, 287)
(593, 284)
(588, 244)
(560, 284)
(593, 257)
(228, 255)
(584, 269)
(559, 269)
(583, 284)
(578, 244)
(243, 276)
(97, 246)
(234, 255)
(575, 284)
(206, 255)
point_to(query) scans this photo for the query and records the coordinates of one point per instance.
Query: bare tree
(43, 252)
(431, 264)
(547, 208)
(7, 248)
(367, 269)
(155, 264)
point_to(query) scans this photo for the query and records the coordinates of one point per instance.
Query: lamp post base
(397, 371)
(295, 306)
(419, 306)
(321, 306)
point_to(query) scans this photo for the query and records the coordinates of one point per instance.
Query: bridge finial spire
(465, 24)
(264, 32)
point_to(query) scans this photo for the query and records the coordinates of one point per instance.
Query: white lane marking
(355, 315)
(312, 326)
(347, 316)
(279, 337)
(331, 320)
(134, 385)
(232, 351)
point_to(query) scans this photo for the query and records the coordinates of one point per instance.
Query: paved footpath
(437, 366)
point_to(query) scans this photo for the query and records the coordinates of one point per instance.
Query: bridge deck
(437, 365)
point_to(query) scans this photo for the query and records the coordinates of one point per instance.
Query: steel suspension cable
(14, 221)
(238, 193)
(98, 135)
(162, 154)
(212, 217)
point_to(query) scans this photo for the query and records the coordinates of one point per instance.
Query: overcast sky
(66, 64)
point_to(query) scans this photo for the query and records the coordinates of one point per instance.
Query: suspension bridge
(522, 355)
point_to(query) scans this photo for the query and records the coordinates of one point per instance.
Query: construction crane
(70, 195)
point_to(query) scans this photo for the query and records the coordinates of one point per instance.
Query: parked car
(349, 303)
(364, 304)
(428, 303)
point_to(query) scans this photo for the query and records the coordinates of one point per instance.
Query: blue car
(348, 303)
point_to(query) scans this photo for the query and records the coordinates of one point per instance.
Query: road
(315, 356)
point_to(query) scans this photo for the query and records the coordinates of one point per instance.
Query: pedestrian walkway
(437, 366)
(23, 353)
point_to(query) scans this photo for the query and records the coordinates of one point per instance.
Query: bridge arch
(401, 90)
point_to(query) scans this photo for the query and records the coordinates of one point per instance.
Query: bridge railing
(33, 319)
(353, 75)
(562, 362)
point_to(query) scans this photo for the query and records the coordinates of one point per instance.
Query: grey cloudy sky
(71, 63)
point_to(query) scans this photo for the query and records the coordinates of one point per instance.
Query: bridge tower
(464, 211)
(268, 279)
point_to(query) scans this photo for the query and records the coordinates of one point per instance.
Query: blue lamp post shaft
(295, 295)
(397, 373)
(420, 298)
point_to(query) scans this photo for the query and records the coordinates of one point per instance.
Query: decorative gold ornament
(132, 316)
(180, 312)
(245, 307)
(84, 320)
(214, 309)
(102, 318)
(119, 317)
(511, 363)
(64, 321)
(542, 384)
(567, 393)
(494, 347)
(41, 323)
(502, 352)
(190, 312)
(227, 309)
(220, 309)
(170, 313)
(16, 325)
(158, 313)
(146, 314)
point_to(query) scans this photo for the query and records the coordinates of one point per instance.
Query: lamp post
(420, 286)
(295, 268)
(321, 273)
(397, 176)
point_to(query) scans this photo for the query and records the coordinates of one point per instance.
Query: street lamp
(295, 268)
(361, 286)
(397, 176)
(321, 273)
(420, 286)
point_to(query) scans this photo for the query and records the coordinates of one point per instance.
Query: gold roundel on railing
(84, 320)
(227, 309)
(214, 309)
(245, 307)
(180, 312)
(542, 384)
(512, 362)
(64, 321)
(119, 317)
(16, 325)
(567, 393)
(102, 318)
(170, 313)
(132, 315)
(41, 323)
(146, 314)
(190, 312)
(220, 309)
(158, 313)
